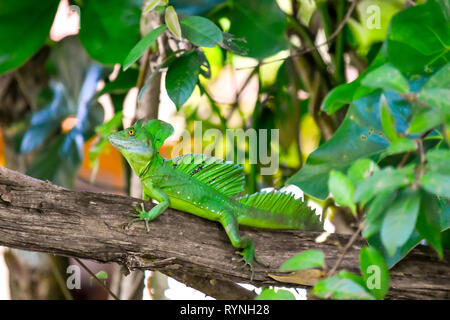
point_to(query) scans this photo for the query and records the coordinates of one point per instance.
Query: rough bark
(39, 216)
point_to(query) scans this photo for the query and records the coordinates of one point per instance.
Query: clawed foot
(248, 256)
(141, 215)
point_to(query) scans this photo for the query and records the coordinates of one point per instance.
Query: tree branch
(39, 216)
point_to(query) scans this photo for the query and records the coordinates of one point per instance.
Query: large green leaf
(399, 221)
(419, 37)
(110, 28)
(261, 23)
(182, 77)
(375, 271)
(201, 31)
(386, 77)
(24, 27)
(359, 136)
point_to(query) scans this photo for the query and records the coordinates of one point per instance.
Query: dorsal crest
(224, 176)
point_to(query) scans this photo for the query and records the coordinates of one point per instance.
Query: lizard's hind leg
(229, 223)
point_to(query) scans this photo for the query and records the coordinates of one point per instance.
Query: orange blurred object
(110, 174)
(68, 123)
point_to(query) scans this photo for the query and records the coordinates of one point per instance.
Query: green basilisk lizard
(206, 187)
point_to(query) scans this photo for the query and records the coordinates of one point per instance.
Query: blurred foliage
(368, 107)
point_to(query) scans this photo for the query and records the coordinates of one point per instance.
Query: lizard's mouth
(118, 143)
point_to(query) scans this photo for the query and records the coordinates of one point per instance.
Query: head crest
(159, 131)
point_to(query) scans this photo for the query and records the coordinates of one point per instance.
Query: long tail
(277, 210)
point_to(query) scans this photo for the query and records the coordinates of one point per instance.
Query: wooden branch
(39, 216)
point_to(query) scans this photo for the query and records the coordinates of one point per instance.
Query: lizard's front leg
(147, 216)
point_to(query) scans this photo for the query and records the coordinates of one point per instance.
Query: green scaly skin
(179, 190)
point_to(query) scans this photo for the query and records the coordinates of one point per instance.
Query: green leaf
(386, 77)
(109, 34)
(201, 31)
(428, 222)
(375, 272)
(271, 294)
(139, 49)
(387, 120)
(361, 169)
(436, 183)
(338, 288)
(124, 82)
(182, 77)
(400, 145)
(339, 97)
(400, 253)
(359, 136)
(102, 275)
(24, 27)
(437, 177)
(261, 23)
(375, 211)
(306, 260)
(153, 4)
(341, 189)
(387, 179)
(437, 160)
(344, 274)
(436, 98)
(377, 206)
(424, 121)
(399, 221)
(233, 44)
(171, 19)
(440, 79)
(412, 46)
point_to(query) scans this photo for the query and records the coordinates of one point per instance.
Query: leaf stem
(97, 279)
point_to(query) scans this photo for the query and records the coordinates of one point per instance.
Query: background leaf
(182, 77)
(399, 222)
(29, 21)
(143, 44)
(110, 28)
(341, 189)
(339, 288)
(201, 31)
(271, 294)
(306, 260)
(261, 23)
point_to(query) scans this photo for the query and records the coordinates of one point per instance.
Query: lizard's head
(139, 142)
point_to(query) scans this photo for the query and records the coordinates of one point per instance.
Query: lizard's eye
(131, 132)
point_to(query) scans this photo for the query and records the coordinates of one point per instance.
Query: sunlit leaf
(271, 294)
(305, 260)
(171, 19)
